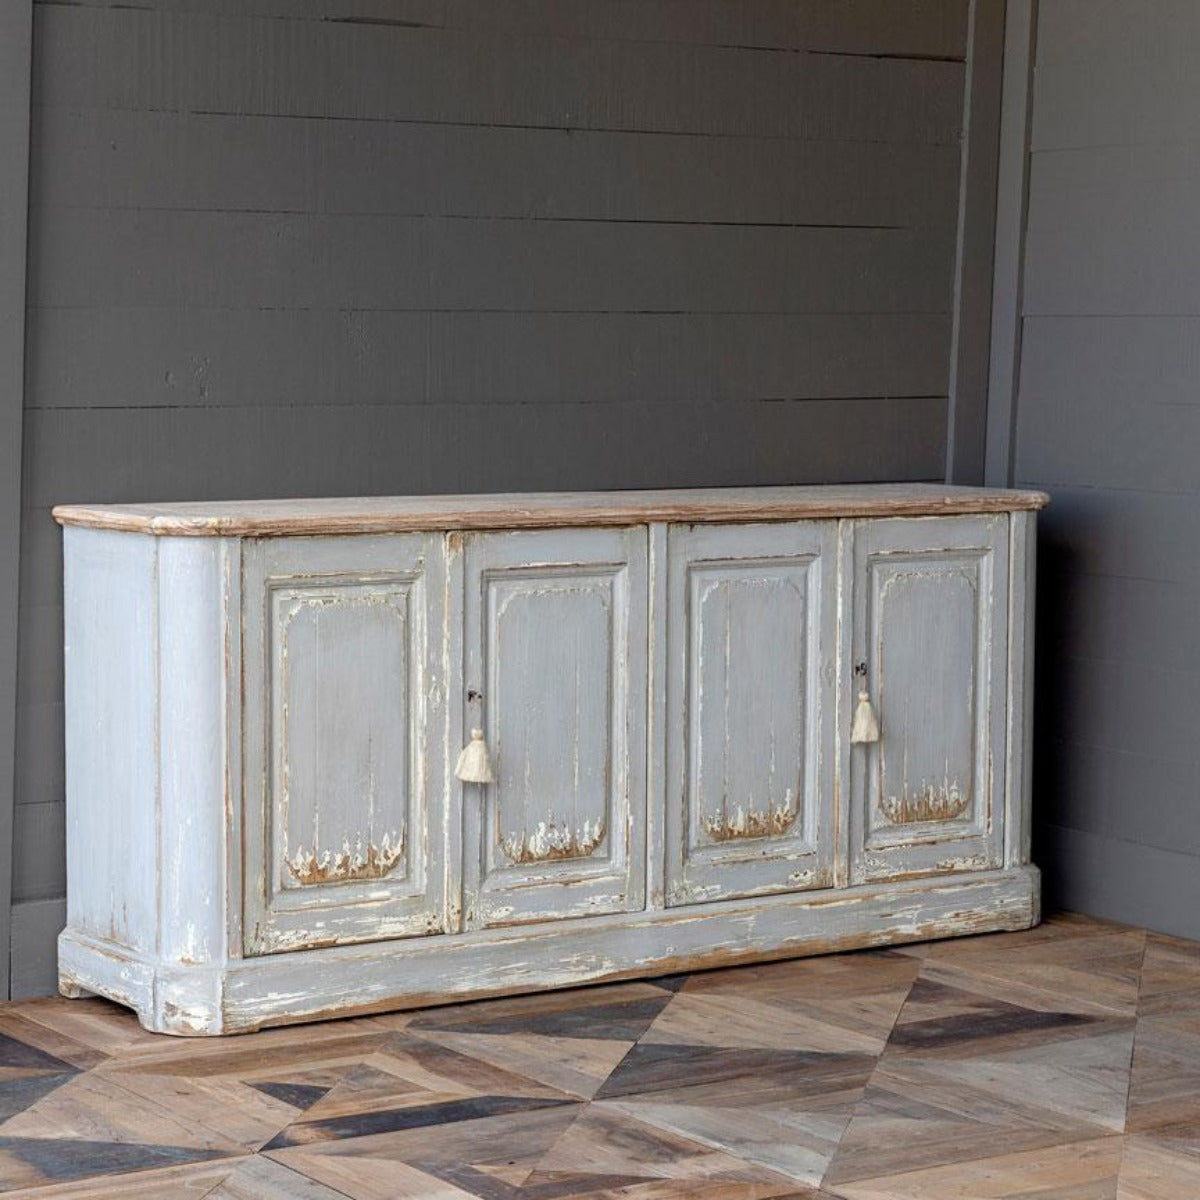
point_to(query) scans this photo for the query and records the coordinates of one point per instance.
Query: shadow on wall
(1053, 708)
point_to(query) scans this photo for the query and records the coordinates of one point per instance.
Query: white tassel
(866, 724)
(474, 765)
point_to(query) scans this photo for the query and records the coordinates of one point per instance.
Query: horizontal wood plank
(36, 925)
(1109, 189)
(930, 28)
(39, 644)
(1135, 443)
(138, 454)
(197, 62)
(1116, 31)
(39, 857)
(1131, 707)
(1120, 533)
(1121, 619)
(124, 357)
(41, 558)
(1087, 104)
(99, 158)
(1146, 270)
(108, 258)
(1143, 359)
(39, 770)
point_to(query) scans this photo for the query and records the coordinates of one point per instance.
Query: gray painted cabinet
(265, 704)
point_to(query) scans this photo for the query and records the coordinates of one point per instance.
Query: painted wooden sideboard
(265, 704)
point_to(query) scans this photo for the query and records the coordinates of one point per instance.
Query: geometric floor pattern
(1062, 1063)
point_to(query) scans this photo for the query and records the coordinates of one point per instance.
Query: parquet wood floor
(1058, 1064)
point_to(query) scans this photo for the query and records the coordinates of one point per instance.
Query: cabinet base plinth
(246, 994)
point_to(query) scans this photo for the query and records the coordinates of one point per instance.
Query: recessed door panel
(342, 804)
(555, 652)
(751, 630)
(931, 632)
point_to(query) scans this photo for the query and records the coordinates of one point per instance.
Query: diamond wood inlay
(1061, 1063)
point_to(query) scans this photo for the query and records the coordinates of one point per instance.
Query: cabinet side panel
(112, 736)
(1019, 775)
(193, 668)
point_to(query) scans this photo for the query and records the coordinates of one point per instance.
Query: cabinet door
(555, 675)
(344, 778)
(751, 633)
(930, 625)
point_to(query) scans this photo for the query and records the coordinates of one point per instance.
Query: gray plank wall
(1108, 419)
(298, 247)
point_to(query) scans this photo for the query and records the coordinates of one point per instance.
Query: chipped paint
(550, 842)
(928, 802)
(373, 861)
(752, 822)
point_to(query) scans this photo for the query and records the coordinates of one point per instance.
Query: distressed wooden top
(540, 510)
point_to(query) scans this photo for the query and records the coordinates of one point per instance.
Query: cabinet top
(540, 510)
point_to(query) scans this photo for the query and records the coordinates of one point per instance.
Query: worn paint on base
(248, 994)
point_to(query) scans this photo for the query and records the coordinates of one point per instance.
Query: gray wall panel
(262, 164)
(372, 246)
(98, 258)
(15, 58)
(146, 59)
(125, 357)
(1122, 880)
(1108, 420)
(918, 28)
(40, 780)
(41, 876)
(125, 454)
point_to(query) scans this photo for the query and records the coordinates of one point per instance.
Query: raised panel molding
(556, 637)
(927, 797)
(664, 698)
(341, 700)
(752, 623)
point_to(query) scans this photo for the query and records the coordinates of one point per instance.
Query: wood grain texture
(269, 518)
(1059, 1062)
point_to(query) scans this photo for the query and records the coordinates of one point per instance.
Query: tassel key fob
(865, 727)
(474, 764)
